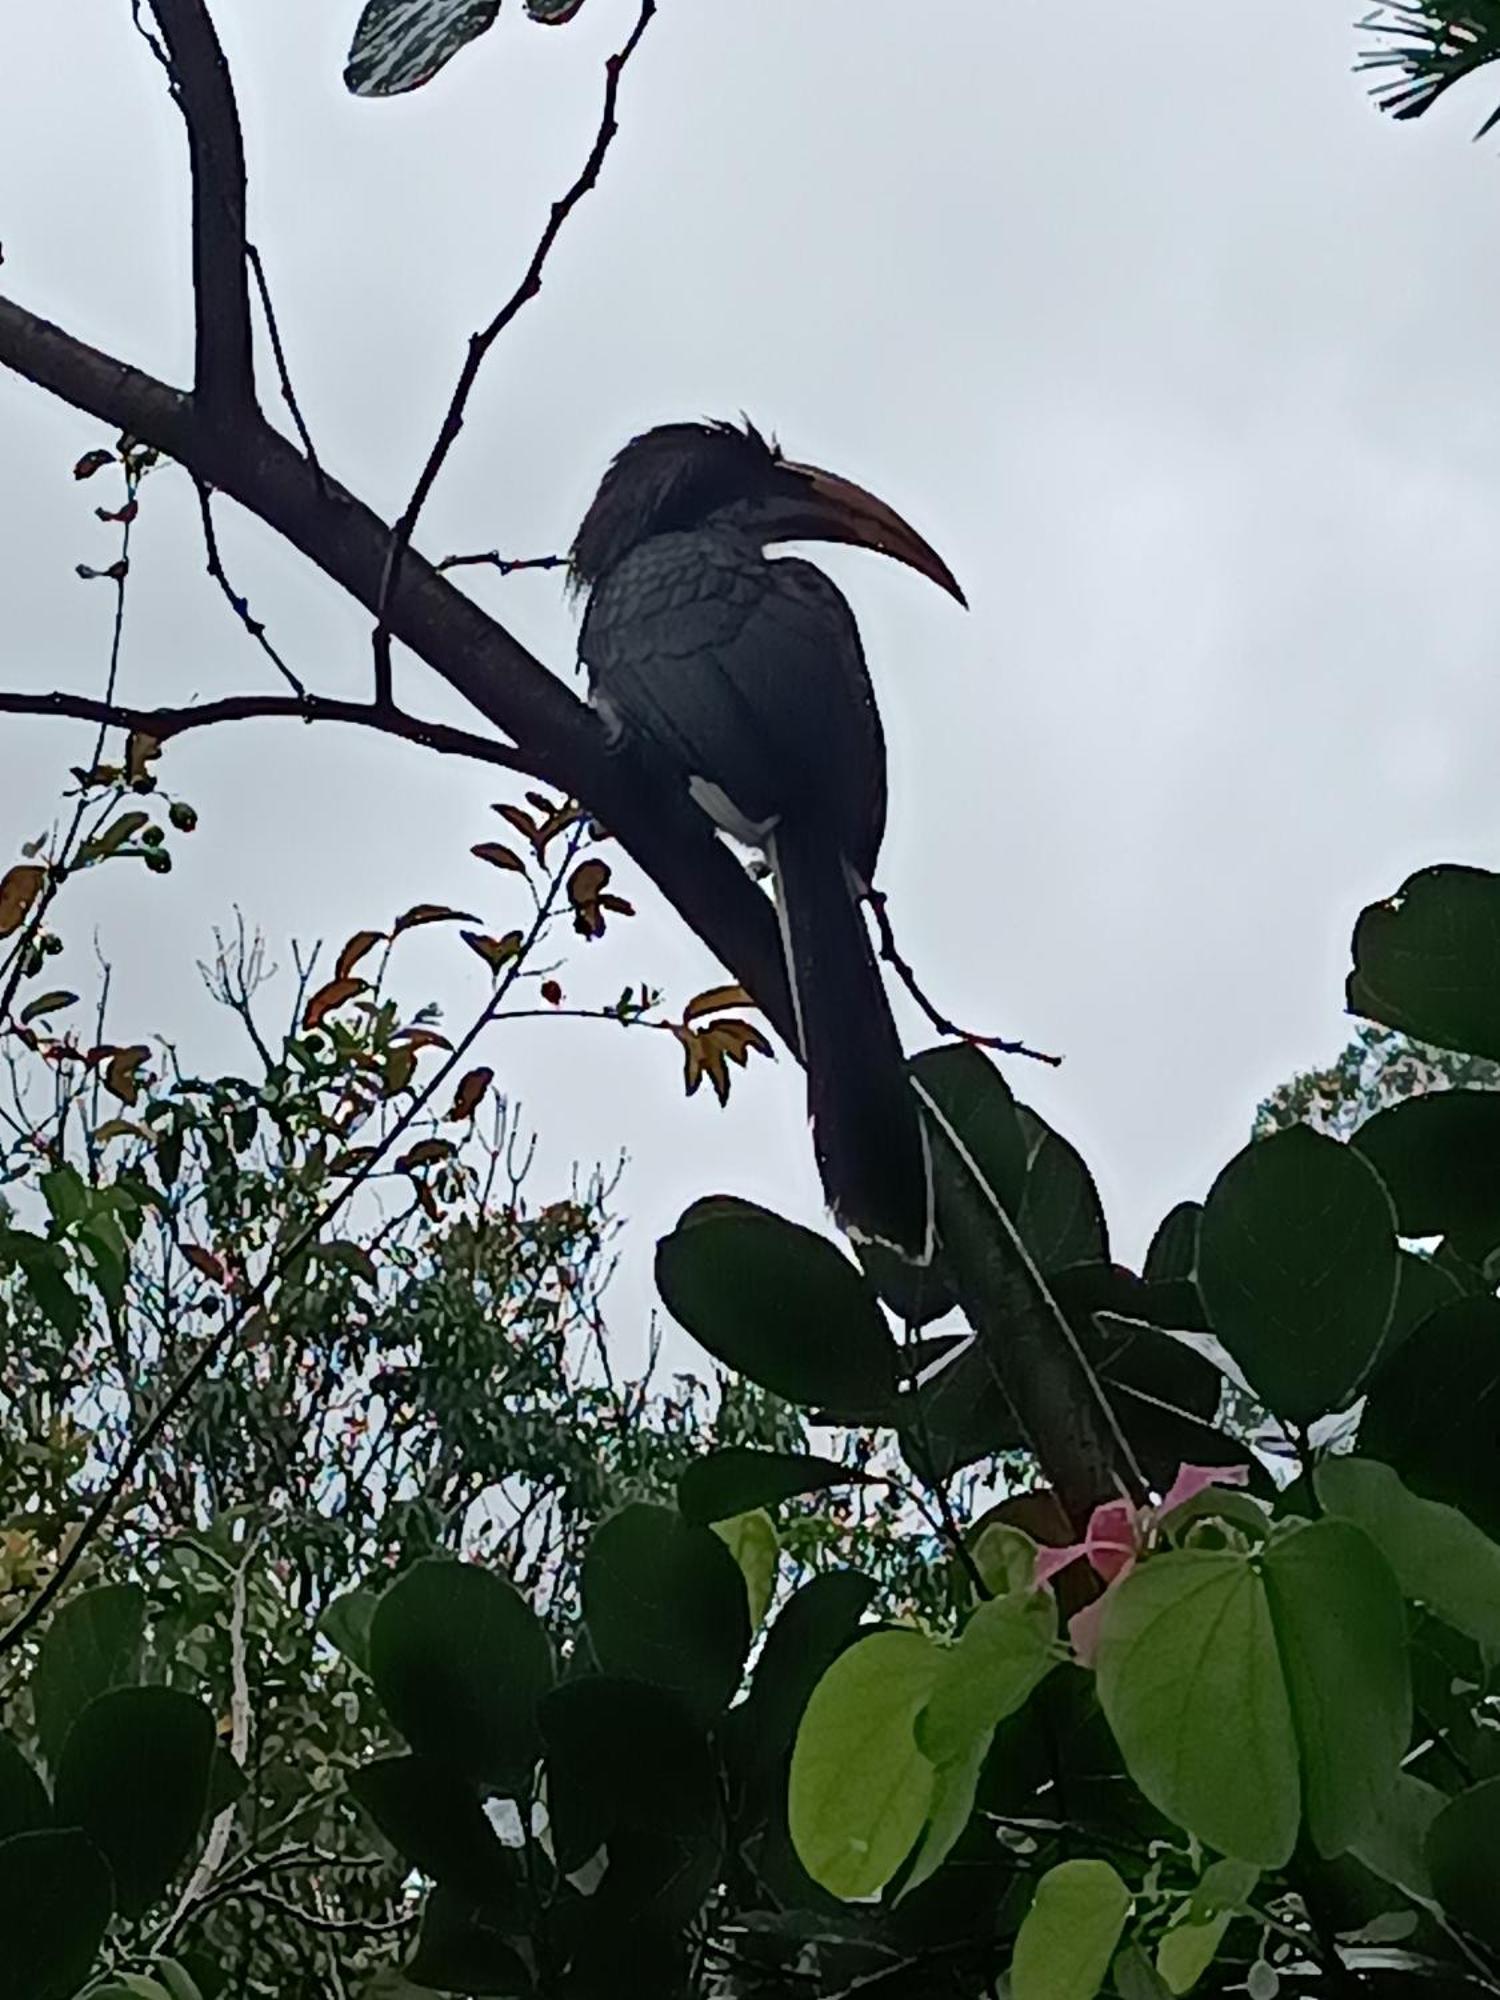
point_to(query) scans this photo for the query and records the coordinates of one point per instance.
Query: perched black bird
(745, 677)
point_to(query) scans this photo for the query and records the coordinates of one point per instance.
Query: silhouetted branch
(480, 344)
(223, 367)
(162, 724)
(283, 373)
(237, 604)
(943, 1025)
(507, 565)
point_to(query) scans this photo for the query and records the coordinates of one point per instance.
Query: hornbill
(744, 677)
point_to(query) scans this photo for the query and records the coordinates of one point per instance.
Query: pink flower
(1115, 1537)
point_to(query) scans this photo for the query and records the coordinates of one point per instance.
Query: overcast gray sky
(1182, 355)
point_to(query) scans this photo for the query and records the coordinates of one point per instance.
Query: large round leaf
(781, 1305)
(1069, 1934)
(433, 1819)
(1341, 1633)
(739, 1478)
(1439, 1558)
(1439, 1157)
(1427, 961)
(1434, 1410)
(1191, 1683)
(860, 1788)
(1061, 1219)
(1297, 1267)
(1463, 1856)
(1001, 1655)
(664, 1601)
(55, 1901)
(134, 1776)
(460, 1661)
(24, 1805)
(974, 1101)
(461, 1949)
(813, 1627)
(91, 1645)
(1173, 1253)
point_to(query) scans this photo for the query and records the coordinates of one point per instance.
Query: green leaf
(1427, 961)
(664, 1602)
(1421, 1287)
(1341, 1632)
(954, 1786)
(1463, 1854)
(809, 1632)
(460, 1662)
(738, 1478)
(1003, 1652)
(1187, 1951)
(860, 1788)
(92, 1644)
(1061, 1219)
(780, 1305)
(975, 1100)
(1439, 1156)
(1394, 1846)
(134, 1777)
(66, 1194)
(1191, 1683)
(462, 1950)
(345, 1623)
(24, 1805)
(1439, 1557)
(55, 1901)
(1173, 1254)
(1433, 1410)
(752, 1540)
(434, 1820)
(1223, 1885)
(1005, 1557)
(45, 1268)
(401, 44)
(1297, 1267)
(1068, 1936)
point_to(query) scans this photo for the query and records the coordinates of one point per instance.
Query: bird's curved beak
(816, 506)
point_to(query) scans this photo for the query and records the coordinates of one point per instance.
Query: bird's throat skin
(742, 677)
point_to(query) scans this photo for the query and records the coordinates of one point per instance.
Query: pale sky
(1181, 354)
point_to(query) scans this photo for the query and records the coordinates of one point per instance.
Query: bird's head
(684, 476)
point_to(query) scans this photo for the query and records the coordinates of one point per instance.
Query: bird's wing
(747, 675)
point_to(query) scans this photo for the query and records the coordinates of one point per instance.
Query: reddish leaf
(329, 997)
(19, 888)
(585, 888)
(422, 1038)
(121, 1074)
(92, 462)
(206, 1262)
(496, 952)
(552, 993)
(470, 1093)
(121, 515)
(430, 913)
(499, 855)
(354, 951)
(424, 1154)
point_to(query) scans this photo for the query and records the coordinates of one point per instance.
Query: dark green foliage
(664, 1602)
(737, 1479)
(1420, 48)
(55, 1900)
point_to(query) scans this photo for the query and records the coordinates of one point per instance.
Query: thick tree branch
(162, 724)
(224, 368)
(266, 474)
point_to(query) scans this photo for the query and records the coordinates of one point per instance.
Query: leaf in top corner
(399, 45)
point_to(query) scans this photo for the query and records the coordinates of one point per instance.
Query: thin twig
(283, 373)
(480, 344)
(162, 724)
(507, 565)
(237, 604)
(944, 1026)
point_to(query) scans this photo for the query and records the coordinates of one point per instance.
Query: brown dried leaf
(430, 913)
(424, 1154)
(552, 993)
(92, 462)
(499, 855)
(121, 1074)
(327, 998)
(711, 1001)
(47, 1003)
(140, 750)
(470, 1093)
(354, 951)
(19, 888)
(738, 1038)
(205, 1261)
(585, 890)
(352, 1159)
(496, 952)
(119, 1128)
(422, 1038)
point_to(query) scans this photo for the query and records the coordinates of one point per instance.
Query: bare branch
(908, 978)
(480, 344)
(224, 364)
(273, 332)
(237, 604)
(162, 724)
(507, 565)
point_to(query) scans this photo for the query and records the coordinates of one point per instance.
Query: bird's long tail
(867, 1130)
